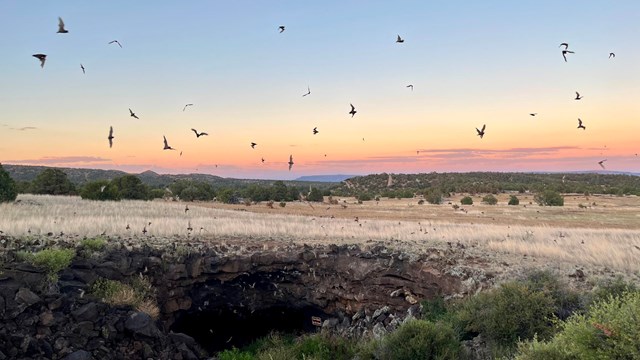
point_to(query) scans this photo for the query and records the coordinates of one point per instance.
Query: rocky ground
(356, 290)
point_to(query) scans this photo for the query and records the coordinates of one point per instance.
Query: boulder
(140, 323)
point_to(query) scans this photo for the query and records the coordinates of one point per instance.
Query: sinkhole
(227, 327)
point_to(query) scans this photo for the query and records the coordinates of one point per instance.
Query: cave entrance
(220, 329)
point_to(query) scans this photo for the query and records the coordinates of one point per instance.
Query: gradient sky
(471, 63)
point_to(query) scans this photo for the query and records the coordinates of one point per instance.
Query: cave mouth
(220, 329)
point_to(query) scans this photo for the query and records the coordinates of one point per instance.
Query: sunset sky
(471, 63)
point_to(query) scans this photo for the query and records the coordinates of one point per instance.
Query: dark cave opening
(224, 328)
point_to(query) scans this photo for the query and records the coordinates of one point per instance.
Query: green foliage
(190, 190)
(156, 194)
(420, 339)
(134, 292)
(279, 191)
(97, 244)
(609, 330)
(467, 200)
(51, 260)
(235, 354)
(616, 287)
(364, 197)
(540, 350)
(315, 195)
(227, 196)
(513, 200)
(434, 309)
(53, 182)
(490, 200)
(282, 204)
(130, 187)
(549, 198)
(566, 301)
(99, 190)
(506, 314)
(8, 191)
(434, 197)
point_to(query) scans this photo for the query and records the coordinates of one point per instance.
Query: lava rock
(88, 312)
(26, 297)
(79, 355)
(141, 324)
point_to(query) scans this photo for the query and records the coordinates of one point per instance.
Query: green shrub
(138, 293)
(420, 339)
(434, 197)
(513, 200)
(615, 287)
(467, 200)
(566, 301)
(52, 260)
(97, 244)
(364, 197)
(434, 309)
(540, 350)
(490, 200)
(99, 190)
(315, 195)
(610, 330)
(506, 314)
(235, 354)
(53, 182)
(549, 198)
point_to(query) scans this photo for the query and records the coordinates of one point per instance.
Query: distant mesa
(325, 178)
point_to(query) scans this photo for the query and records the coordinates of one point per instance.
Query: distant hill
(325, 178)
(81, 176)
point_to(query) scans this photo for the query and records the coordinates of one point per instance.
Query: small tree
(434, 197)
(7, 186)
(315, 195)
(53, 182)
(99, 190)
(549, 198)
(490, 200)
(513, 200)
(130, 187)
(467, 200)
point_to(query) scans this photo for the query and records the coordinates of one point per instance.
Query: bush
(434, 197)
(489, 200)
(52, 182)
(616, 287)
(315, 195)
(130, 187)
(364, 197)
(549, 198)
(99, 190)
(467, 200)
(97, 244)
(566, 301)
(138, 293)
(420, 339)
(608, 331)
(52, 260)
(511, 312)
(513, 200)
(8, 191)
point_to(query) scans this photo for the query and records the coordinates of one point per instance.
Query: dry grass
(607, 234)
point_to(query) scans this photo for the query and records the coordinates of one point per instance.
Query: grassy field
(605, 232)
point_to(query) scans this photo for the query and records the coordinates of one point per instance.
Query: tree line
(55, 182)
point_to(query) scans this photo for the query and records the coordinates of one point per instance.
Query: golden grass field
(604, 234)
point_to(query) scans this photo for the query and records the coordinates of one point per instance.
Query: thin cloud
(60, 160)
(25, 128)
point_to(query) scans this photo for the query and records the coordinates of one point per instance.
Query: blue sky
(471, 63)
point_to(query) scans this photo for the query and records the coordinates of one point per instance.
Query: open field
(606, 235)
